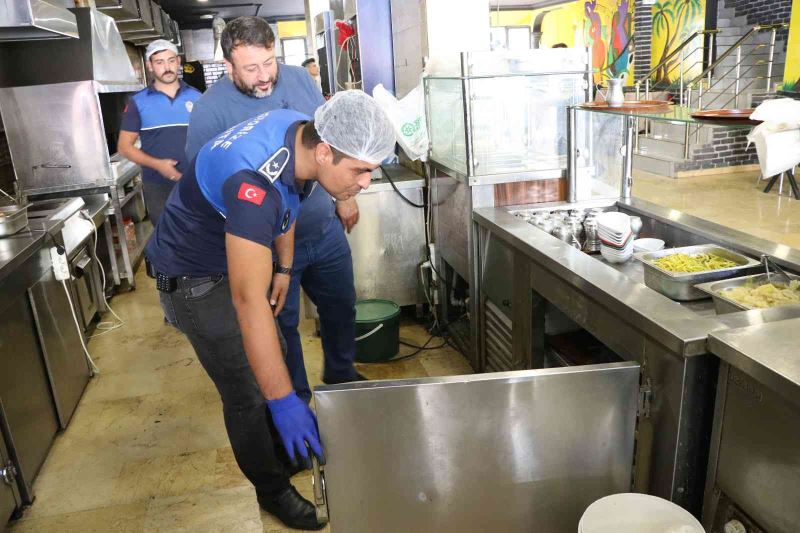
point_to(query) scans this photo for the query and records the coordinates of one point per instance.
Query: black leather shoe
(293, 510)
(358, 377)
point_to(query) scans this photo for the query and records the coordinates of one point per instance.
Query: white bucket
(637, 513)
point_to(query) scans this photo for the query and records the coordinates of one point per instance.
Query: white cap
(159, 46)
(353, 123)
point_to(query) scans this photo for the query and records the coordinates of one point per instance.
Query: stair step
(661, 147)
(661, 166)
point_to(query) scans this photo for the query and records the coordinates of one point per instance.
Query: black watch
(279, 269)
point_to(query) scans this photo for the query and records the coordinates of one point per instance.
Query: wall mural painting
(673, 22)
(791, 76)
(607, 29)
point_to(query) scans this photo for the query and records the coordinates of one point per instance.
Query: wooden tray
(632, 106)
(728, 116)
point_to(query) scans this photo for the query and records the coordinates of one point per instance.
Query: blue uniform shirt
(223, 106)
(161, 123)
(242, 183)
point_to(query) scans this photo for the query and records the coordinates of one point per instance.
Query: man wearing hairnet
(212, 259)
(316, 255)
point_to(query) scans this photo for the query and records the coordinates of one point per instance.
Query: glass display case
(495, 113)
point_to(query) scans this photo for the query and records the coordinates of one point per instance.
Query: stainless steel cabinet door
(9, 497)
(67, 368)
(513, 452)
(25, 392)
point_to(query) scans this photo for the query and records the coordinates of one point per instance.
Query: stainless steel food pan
(681, 286)
(12, 219)
(724, 305)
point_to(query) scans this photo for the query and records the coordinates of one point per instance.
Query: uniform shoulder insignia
(273, 166)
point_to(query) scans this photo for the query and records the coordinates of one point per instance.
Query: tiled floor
(146, 450)
(733, 200)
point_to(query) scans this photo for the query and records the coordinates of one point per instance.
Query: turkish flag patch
(251, 193)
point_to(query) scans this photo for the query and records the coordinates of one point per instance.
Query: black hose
(406, 200)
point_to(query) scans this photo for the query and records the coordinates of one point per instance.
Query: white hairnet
(353, 123)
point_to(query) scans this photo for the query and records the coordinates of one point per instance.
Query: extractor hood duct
(24, 20)
(98, 55)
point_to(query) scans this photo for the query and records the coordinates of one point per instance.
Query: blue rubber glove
(297, 427)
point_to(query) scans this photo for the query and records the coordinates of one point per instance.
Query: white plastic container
(637, 513)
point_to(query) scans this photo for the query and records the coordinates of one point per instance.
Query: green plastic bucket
(377, 330)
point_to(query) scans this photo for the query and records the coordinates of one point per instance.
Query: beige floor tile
(450, 363)
(227, 510)
(733, 200)
(172, 475)
(117, 519)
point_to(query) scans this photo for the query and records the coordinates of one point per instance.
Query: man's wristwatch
(280, 269)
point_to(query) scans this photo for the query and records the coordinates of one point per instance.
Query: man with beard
(316, 255)
(159, 116)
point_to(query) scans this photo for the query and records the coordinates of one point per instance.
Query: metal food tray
(723, 305)
(12, 219)
(681, 286)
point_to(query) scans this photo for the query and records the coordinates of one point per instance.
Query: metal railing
(681, 53)
(735, 78)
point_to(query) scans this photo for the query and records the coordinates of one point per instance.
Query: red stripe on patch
(251, 193)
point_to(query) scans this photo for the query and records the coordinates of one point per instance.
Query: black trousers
(202, 309)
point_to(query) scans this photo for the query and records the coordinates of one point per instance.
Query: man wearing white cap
(159, 116)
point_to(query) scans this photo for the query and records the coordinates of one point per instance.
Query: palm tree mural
(675, 19)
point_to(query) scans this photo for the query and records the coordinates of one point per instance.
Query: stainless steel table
(754, 465)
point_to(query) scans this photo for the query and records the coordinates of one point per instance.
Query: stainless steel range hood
(98, 55)
(23, 20)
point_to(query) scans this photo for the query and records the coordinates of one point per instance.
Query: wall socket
(60, 265)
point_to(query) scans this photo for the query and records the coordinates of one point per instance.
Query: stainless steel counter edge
(664, 320)
(402, 177)
(18, 248)
(768, 353)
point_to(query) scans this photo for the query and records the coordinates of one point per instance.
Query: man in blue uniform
(159, 116)
(212, 257)
(320, 258)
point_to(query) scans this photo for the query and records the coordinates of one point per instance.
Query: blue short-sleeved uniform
(242, 182)
(161, 123)
(223, 105)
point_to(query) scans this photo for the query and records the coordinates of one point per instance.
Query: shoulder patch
(273, 166)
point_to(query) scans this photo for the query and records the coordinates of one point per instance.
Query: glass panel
(520, 122)
(294, 51)
(674, 113)
(599, 138)
(446, 108)
(519, 39)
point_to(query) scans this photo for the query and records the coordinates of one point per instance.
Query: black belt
(164, 283)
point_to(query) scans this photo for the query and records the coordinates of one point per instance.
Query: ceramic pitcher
(614, 95)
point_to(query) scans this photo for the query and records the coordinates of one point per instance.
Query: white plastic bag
(408, 117)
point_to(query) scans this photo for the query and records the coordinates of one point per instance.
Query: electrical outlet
(60, 265)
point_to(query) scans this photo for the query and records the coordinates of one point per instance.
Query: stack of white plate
(616, 237)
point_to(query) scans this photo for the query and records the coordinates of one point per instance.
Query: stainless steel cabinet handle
(7, 473)
(318, 482)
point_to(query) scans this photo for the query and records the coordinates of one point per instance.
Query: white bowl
(648, 245)
(614, 221)
(614, 257)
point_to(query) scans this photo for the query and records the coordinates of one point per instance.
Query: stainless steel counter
(18, 248)
(767, 352)
(619, 287)
(754, 461)
(551, 289)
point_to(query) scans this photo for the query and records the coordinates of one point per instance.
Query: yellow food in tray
(763, 296)
(685, 263)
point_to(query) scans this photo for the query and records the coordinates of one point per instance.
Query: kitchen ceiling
(194, 14)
